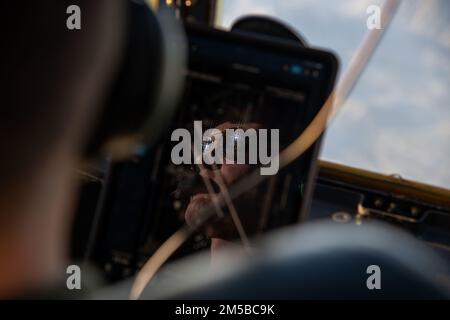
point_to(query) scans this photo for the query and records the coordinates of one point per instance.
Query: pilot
(224, 229)
(53, 81)
(249, 207)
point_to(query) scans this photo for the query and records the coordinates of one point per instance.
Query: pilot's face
(228, 173)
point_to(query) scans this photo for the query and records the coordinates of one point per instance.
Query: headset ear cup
(172, 77)
(135, 94)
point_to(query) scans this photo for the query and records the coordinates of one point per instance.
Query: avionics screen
(242, 82)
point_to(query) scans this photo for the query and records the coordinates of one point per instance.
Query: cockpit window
(397, 120)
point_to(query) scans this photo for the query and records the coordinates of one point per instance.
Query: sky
(397, 120)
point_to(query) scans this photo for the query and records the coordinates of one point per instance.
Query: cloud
(398, 117)
(421, 155)
(356, 9)
(429, 19)
(234, 9)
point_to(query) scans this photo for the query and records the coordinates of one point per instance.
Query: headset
(148, 84)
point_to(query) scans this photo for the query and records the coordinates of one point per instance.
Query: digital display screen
(252, 97)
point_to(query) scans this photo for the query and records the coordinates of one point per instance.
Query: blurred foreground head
(318, 260)
(53, 81)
